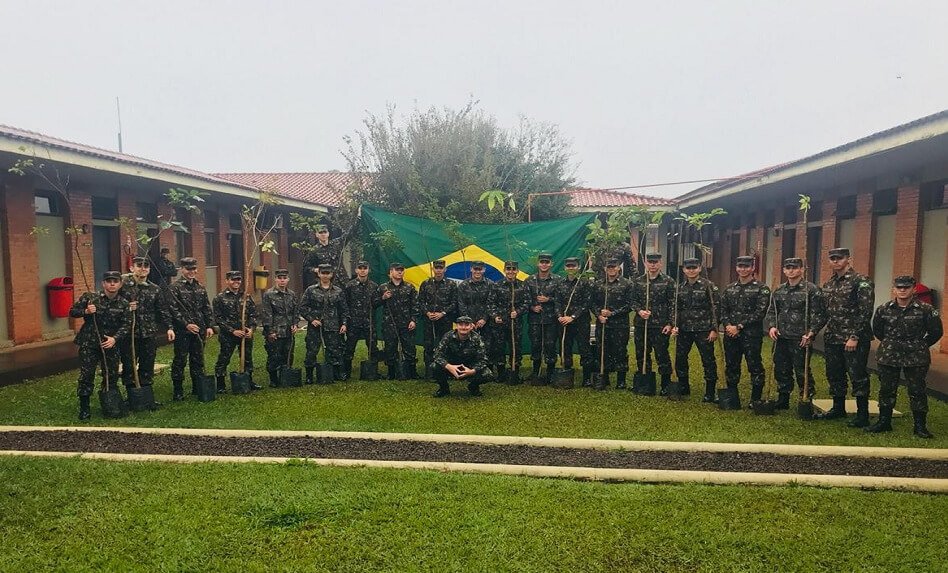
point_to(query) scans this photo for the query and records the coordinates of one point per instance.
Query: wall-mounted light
(85, 228)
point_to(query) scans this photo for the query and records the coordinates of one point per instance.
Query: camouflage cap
(653, 257)
(438, 264)
(188, 263)
(111, 275)
(693, 263)
(612, 262)
(141, 261)
(396, 267)
(511, 265)
(571, 261)
(477, 264)
(838, 252)
(362, 264)
(282, 273)
(544, 257)
(231, 275)
(745, 260)
(903, 281)
(324, 268)
(793, 262)
(463, 319)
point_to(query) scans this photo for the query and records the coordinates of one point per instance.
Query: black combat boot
(309, 375)
(883, 424)
(709, 397)
(274, 378)
(666, 380)
(474, 388)
(587, 377)
(550, 369)
(861, 420)
(921, 429)
(221, 385)
(620, 380)
(685, 388)
(411, 372)
(756, 392)
(783, 401)
(442, 391)
(602, 381)
(253, 385)
(392, 372)
(837, 411)
(346, 372)
(535, 376)
(177, 391)
(84, 411)
(501, 373)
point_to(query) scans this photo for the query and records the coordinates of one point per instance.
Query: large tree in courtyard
(437, 163)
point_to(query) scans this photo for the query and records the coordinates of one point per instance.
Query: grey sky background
(646, 91)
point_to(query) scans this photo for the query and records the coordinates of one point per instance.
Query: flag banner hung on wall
(424, 240)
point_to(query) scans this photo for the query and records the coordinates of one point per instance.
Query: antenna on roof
(118, 110)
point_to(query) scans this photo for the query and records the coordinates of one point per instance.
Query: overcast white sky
(647, 91)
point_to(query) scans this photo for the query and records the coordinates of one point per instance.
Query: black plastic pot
(290, 377)
(539, 379)
(644, 384)
(369, 370)
(805, 410)
(206, 388)
(599, 381)
(729, 399)
(514, 377)
(324, 374)
(676, 391)
(141, 398)
(112, 403)
(240, 382)
(563, 378)
(764, 407)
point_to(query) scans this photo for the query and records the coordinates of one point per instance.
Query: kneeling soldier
(461, 355)
(236, 325)
(106, 322)
(906, 328)
(279, 315)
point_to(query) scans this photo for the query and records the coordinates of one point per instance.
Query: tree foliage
(444, 160)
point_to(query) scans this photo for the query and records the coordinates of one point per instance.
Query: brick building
(104, 186)
(884, 196)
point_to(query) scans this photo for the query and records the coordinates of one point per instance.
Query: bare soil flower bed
(366, 449)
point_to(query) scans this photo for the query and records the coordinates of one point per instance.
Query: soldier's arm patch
(934, 313)
(864, 284)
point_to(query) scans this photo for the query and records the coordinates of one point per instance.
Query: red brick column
(223, 246)
(21, 261)
(862, 249)
(776, 265)
(80, 215)
(908, 233)
(828, 236)
(166, 213)
(127, 209)
(196, 236)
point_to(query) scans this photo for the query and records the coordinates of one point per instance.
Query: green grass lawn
(407, 406)
(80, 515)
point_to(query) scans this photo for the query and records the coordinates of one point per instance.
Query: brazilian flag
(424, 240)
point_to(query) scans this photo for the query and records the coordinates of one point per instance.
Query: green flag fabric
(424, 240)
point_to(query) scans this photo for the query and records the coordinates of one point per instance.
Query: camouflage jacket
(699, 303)
(474, 299)
(189, 304)
(402, 307)
(438, 296)
(787, 311)
(660, 293)
(572, 302)
(111, 316)
(279, 311)
(549, 310)
(501, 303)
(906, 333)
(328, 254)
(359, 299)
(849, 300)
(745, 305)
(327, 305)
(619, 299)
(471, 352)
(164, 270)
(153, 314)
(227, 311)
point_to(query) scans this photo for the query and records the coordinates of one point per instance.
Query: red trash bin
(59, 296)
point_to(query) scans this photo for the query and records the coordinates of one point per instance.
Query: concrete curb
(581, 443)
(592, 474)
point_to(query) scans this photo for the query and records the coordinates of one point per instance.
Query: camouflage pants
(230, 343)
(89, 360)
(544, 338)
(615, 336)
(657, 344)
(442, 377)
(502, 344)
(840, 363)
(357, 333)
(314, 341)
(432, 335)
(278, 352)
(789, 361)
(577, 336)
(395, 337)
(745, 345)
(709, 362)
(188, 349)
(914, 381)
(145, 349)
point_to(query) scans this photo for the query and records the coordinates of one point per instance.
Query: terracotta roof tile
(324, 188)
(584, 197)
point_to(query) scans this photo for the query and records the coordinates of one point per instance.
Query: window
(147, 212)
(105, 208)
(846, 207)
(885, 202)
(235, 224)
(182, 245)
(44, 204)
(211, 249)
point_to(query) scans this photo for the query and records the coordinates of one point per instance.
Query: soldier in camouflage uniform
(327, 316)
(905, 328)
(360, 299)
(461, 355)
(106, 322)
(149, 306)
(610, 301)
(849, 298)
(437, 303)
(325, 251)
(228, 312)
(792, 330)
(572, 294)
(475, 296)
(698, 302)
(191, 315)
(659, 290)
(541, 296)
(744, 304)
(508, 305)
(279, 316)
(400, 302)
